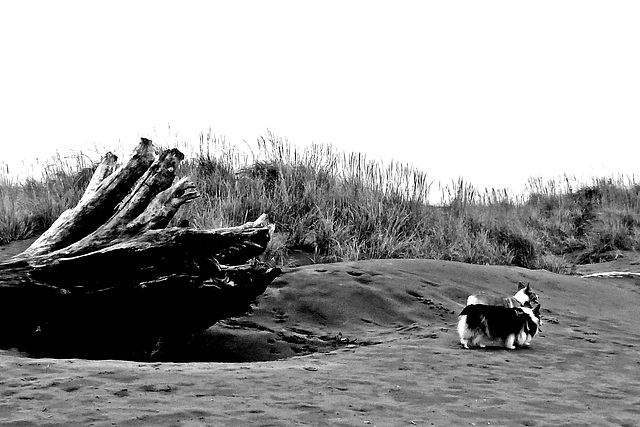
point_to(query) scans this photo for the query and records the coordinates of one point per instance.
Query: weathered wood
(162, 209)
(139, 210)
(106, 167)
(611, 274)
(109, 279)
(95, 208)
(151, 254)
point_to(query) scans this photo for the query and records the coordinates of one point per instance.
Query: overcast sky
(493, 91)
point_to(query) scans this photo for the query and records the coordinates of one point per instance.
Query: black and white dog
(510, 327)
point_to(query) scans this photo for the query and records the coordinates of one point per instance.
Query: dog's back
(525, 297)
(483, 299)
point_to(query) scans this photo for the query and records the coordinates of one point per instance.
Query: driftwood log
(109, 280)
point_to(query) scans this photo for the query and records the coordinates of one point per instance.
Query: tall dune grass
(29, 206)
(337, 206)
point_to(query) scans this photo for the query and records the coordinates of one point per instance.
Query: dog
(511, 327)
(525, 297)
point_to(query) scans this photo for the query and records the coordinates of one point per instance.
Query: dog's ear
(528, 287)
(521, 285)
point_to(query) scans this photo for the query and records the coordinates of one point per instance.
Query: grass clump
(333, 206)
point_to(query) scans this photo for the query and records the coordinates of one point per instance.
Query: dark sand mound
(325, 306)
(584, 369)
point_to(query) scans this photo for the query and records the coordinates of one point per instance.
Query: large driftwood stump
(110, 280)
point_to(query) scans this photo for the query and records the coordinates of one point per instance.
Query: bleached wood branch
(611, 274)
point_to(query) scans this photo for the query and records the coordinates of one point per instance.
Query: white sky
(493, 91)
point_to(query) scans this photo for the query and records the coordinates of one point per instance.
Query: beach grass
(30, 205)
(336, 206)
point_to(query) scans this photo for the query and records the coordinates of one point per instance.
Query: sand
(364, 343)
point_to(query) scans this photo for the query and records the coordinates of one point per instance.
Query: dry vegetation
(334, 206)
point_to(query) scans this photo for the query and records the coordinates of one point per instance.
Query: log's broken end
(106, 167)
(145, 146)
(173, 153)
(262, 221)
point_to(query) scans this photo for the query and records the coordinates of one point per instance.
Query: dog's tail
(472, 299)
(468, 309)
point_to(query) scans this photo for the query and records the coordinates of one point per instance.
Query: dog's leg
(464, 332)
(523, 339)
(478, 340)
(508, 342)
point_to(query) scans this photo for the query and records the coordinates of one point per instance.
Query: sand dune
(363, 343)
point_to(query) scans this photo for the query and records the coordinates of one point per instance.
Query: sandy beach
(364, 343)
